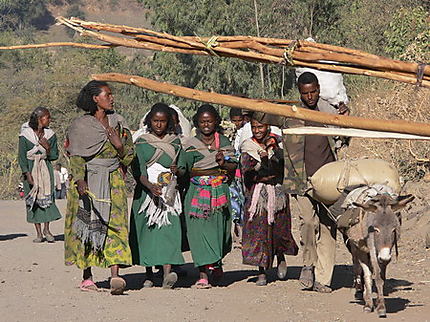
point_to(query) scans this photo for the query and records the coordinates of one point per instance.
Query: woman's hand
(219, 158)
(44, 142)
(270, 142)
(82, 187)
(155, 189)
(29, 178)
(263, 154)
(174, 169)
(115, 140)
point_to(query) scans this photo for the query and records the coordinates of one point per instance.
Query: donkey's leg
(384, 277)
(358, 273)
(380, 301)
(368, 302)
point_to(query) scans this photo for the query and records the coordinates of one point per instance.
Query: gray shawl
(87, 135)
(92, 220)
(163, 145)
(86, 138)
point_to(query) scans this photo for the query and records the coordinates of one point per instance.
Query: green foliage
(408, 26)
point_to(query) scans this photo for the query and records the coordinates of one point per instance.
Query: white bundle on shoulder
(332, 88)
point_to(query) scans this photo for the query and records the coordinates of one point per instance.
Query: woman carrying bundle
(209, 160)
(37, 148)
(155, 227)
(267, 220)
(96, 227)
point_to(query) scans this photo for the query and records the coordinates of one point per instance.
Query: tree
(408, 26)
(19, 14)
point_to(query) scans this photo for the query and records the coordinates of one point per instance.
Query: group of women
(181, 197)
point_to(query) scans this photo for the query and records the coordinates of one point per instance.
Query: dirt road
(36, 286)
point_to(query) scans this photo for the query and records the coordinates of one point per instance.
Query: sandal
(202, 284)
(88, 285)
(49, 237)
(170, 280)
(307, 277)
(262, 280)
(282, 270)
(321, 288)
(117, 285)
(148, 283)
(38, 240)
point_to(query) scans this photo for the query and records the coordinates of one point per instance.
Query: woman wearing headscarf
(210, 163)
(96, 228)
(267, 220)
(37, 148)
(155, 227)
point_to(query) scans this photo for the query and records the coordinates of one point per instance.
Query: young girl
(37, 148)
(155, 227)
(267, 220)
(209, 160)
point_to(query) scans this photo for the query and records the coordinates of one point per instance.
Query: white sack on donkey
(328, 183)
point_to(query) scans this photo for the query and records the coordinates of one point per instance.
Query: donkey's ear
(401, 202)
(368, 206)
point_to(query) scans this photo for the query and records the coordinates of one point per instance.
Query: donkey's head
(384, 222)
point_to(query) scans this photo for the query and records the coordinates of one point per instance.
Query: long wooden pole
(326, 52)
(58, 44)
(270, 108)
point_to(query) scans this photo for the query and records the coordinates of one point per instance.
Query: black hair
(174, 113)
(37, 113)
(235, 112)
(307, 78)
(206, 108)
(160, 108)
(85, 98)
(248, 113)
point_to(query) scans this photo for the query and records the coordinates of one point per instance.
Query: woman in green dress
(37, 148)
(209, 160)
(155, 227)
(96, 227)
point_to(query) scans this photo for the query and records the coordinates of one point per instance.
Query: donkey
(371, 241)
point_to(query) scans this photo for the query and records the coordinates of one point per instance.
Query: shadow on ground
(12, 236)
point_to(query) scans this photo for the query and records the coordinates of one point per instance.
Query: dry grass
(403, 102)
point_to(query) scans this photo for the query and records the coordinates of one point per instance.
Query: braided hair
(160, 108)
(37, 113)
(206, 108)
(85, 99)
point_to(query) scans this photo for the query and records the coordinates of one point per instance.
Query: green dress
(153, 245)
(116, 250)
(209, 238)
(39, 215)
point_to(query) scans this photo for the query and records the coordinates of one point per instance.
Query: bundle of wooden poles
(297, 53)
